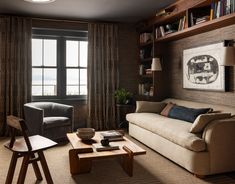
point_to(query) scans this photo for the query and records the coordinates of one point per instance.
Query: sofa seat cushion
(174, 130)
(50, 122)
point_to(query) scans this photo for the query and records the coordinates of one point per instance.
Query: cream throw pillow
(145, 106)
(204, 119)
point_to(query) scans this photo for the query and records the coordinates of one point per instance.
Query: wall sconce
(156, 65)
(228, 56)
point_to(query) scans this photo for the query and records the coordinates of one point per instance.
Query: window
(59, 64)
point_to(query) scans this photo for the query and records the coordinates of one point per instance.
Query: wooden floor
(151, 168)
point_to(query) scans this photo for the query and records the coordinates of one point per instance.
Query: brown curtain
(15, 67)
(102, 75)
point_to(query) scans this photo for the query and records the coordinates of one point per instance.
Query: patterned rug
(151, 168)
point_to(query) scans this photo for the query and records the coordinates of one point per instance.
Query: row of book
(146, 37)
(179, 25)
(221, 7)
(145, 89)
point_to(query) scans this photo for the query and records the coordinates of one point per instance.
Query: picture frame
(202, 68)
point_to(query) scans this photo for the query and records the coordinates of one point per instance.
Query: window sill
(69, 100)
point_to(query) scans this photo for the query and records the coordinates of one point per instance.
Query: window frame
(61, 36)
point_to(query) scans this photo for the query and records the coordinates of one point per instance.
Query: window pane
(37, 52)
(49, 90)
(72, 90)
(71, 53)
(83, 53)
(83, 90)
(72, 76)
(37, 76)
(83, 76)
(50, 52)
(36, 90)
(50, 76)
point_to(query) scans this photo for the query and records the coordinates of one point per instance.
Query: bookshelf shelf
(223, 21)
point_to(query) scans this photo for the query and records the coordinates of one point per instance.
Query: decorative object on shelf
(85, 133)
(123, 96)
(201, 68)
(228, 56)
(156, 64)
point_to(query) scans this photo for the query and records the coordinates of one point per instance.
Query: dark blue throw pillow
(186, 114)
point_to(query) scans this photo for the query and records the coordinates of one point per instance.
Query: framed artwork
(201, 68)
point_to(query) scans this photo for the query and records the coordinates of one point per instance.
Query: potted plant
(122, 96)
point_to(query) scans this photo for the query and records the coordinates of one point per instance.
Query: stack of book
(202, 19)
(112, 135)
(100, 147)
(148, 71)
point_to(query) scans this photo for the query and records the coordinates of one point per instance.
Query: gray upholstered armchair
(52, 120)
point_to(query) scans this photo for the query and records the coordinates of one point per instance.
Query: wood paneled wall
(173, 59)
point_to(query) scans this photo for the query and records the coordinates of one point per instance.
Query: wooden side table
(122, 110)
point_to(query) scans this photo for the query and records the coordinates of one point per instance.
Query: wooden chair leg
(12, 167)
(23, 169)
(36, 168)
(45, 167)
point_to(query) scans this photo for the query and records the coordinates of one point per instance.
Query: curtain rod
(61, 20)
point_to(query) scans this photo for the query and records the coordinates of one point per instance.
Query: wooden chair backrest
(18, 124)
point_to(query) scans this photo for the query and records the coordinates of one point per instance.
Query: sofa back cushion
(185, 113)
(145, 106)
(204, 119)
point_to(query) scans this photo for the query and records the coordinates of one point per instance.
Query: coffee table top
(87, 151)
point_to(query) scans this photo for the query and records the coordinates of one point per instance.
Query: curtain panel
(15, 67)
(102, 75)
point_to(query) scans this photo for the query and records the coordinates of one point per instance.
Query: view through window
(59, 66)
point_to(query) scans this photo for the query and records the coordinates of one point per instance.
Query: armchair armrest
(64, 110)
(220, 139)
(34, 119)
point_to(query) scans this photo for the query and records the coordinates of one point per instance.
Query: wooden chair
(26, 147)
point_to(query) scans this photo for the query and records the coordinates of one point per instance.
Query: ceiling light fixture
(40, 1)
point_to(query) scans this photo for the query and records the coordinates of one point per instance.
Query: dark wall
(173, 58)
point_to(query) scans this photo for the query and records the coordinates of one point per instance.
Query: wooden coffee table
(82, 154)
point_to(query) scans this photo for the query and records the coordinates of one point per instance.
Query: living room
(159, 73)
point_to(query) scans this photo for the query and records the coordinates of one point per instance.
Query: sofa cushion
(185, 113)
(145, 106)
(50, 122)
(204, 119)
(174, 130)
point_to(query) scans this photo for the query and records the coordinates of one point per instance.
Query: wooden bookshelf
(192, 10)
(223, 21)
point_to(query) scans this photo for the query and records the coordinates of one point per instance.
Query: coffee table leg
(78, 166)
(127, 161)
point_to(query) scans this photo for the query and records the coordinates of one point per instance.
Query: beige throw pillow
(145, 106)
(204, 119)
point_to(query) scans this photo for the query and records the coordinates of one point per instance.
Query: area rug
(151, 168)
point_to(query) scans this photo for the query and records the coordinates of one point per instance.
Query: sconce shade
(228, 56)
(156, 65)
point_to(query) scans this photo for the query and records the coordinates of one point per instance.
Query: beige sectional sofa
(209, 152)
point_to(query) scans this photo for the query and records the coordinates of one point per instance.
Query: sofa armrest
(219, 136)
(34, 119)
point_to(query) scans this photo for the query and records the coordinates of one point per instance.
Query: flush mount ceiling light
(40, 1)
